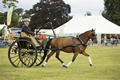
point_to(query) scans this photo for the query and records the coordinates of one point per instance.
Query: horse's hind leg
(52, 52)
(84, 53)
(57, 56)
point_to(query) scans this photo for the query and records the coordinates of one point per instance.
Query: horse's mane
(84, 33)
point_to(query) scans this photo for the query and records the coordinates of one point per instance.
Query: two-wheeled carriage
(23, 53)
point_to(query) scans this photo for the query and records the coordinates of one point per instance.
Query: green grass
(106, 66)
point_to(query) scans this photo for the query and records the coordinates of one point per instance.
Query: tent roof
(81, 24)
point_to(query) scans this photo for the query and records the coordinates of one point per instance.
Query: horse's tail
(47, 46)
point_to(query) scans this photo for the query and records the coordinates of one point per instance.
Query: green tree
(18, 11)
(25, 15)
(55, 11)
(9, 3)
(112, 11)
(3, 18)
(14, 19)
(88, 13)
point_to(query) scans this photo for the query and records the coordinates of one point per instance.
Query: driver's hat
(26, 20)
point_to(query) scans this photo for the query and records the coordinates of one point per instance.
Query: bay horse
(69, 45)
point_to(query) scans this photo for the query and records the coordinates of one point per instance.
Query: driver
(25, 32)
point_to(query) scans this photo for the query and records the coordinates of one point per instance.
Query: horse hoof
(65, 66)
(91, 65)
(43, 66)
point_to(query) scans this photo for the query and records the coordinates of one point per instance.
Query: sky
(78, 7)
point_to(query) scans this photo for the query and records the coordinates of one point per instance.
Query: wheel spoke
(18, 62)
(14, 56)
(15, 60)
(29, 61)
(38, 59)
(19, 45)
(26, 60)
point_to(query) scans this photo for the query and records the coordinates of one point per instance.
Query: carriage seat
(23, 37)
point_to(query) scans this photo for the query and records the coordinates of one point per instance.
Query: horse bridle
(93, 34)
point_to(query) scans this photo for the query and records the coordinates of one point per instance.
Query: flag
(61, 31)
(9, 14)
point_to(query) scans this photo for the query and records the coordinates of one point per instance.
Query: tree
(9, 3)
(55, 11)
(14, 19)
(112, 11)
(26, 15)
(18, 11)
(3, 18)
(88, 13)
(21, 13)
(15, 15)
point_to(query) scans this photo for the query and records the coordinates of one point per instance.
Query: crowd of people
(113, 40)
(5, 42)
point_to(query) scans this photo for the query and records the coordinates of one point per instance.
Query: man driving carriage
(26, 33)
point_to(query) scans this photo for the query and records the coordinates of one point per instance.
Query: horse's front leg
(52, 52)
(84, 53)
(74, 57)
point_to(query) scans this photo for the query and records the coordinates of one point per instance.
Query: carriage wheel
(40, 55)
(27, 52)
(13, 55)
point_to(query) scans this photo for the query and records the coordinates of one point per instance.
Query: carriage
(23, 53)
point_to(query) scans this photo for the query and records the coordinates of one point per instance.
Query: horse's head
(93, 36)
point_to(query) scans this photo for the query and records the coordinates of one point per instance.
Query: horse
(69, 45)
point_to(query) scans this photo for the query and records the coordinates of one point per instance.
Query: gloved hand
(33, 33)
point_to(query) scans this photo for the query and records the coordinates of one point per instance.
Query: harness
(72, 44)
(77, 45)
(82, 43)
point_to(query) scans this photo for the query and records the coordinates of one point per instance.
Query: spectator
(49, 38)
(105, 40)
(111, 41)
(116, 42)
(102, 42)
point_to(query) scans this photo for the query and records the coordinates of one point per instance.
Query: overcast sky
(78, 7)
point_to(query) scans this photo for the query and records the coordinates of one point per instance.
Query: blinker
(92, 34)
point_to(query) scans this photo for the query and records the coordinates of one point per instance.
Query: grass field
(106, 66)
